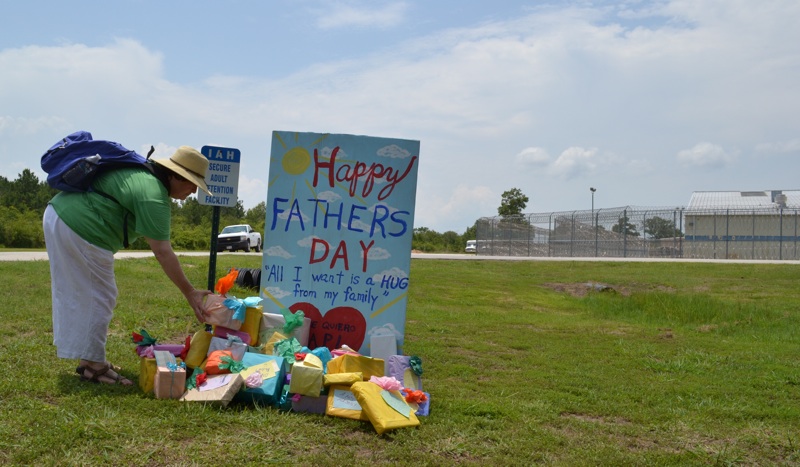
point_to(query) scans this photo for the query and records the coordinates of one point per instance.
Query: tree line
(23, 201)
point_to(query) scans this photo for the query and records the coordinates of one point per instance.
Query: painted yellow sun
(296, 160)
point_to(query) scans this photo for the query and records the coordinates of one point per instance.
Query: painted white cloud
(376, 253)
(705, 155)
(393, 151)
(394, 272)
(329, 196)
(277, 292)
(278, 251)
(307, 241)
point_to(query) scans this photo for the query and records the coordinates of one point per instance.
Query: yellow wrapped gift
(147, 374)
(343, 379)
(252, 323)
(269, 346)
(347, 363)
(307, 377)
(386, 410)
(342, 403)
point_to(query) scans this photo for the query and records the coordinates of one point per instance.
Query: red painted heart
(340, 325)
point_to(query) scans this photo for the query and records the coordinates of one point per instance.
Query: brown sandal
(96, 374)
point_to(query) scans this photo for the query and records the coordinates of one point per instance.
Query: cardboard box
(218, 390)
(170, 378)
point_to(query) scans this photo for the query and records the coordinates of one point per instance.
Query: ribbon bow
(416, 365)
(231, 365)
(142, 338)
(293, 321)
(198, 377)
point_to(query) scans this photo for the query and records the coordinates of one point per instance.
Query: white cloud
(704, 155)
(339, 14)
(574, 161)
(535, 157)
(779, 147)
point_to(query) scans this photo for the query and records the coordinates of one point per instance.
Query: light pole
(592, 189)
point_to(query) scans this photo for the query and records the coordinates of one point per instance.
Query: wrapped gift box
(218, 314)
(273, 371)
(342, 379)
(307, 404)
(307, 377)
(343, 403)
(198, 349)
(347, 363)
(252, 323)
(274, 322)
(237, 349)
(217, 390)
(147, 374)
(399, 368)
(386, 410)
(170, 378)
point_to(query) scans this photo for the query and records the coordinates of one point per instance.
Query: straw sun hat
(189, 164)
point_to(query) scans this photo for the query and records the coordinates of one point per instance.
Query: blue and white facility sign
(222, 177)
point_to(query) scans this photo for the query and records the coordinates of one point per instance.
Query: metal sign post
(223, 183)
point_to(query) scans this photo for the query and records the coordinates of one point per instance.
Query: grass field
(549, 363)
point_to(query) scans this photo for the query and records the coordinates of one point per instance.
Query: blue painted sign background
(337, 237)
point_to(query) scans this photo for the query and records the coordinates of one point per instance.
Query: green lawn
(527, 362)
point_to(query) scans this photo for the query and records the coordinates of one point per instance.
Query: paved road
(42, 256)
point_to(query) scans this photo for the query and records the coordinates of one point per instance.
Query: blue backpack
(73, 163)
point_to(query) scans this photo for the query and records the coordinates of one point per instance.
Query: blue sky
(647, 101)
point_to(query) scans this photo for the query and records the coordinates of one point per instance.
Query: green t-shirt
(99, 220)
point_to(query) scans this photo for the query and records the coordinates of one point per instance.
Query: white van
(472, 246)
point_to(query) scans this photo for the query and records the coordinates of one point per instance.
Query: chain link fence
(640, 232)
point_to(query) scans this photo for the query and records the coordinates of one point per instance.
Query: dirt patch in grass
(581, 289)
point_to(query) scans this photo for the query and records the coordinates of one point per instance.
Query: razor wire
(645, 232)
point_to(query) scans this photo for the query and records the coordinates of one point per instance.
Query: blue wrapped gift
(273, 371)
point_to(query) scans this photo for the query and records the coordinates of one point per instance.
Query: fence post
(780, 233)
(596, 218)
(624, 233)
(727, 232)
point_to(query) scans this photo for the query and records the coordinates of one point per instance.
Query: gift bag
(386, 410)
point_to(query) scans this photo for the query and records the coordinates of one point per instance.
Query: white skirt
(83, 288)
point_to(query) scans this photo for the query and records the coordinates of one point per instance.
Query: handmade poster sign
(340, 217)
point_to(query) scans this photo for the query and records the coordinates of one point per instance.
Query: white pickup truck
(238, 237)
